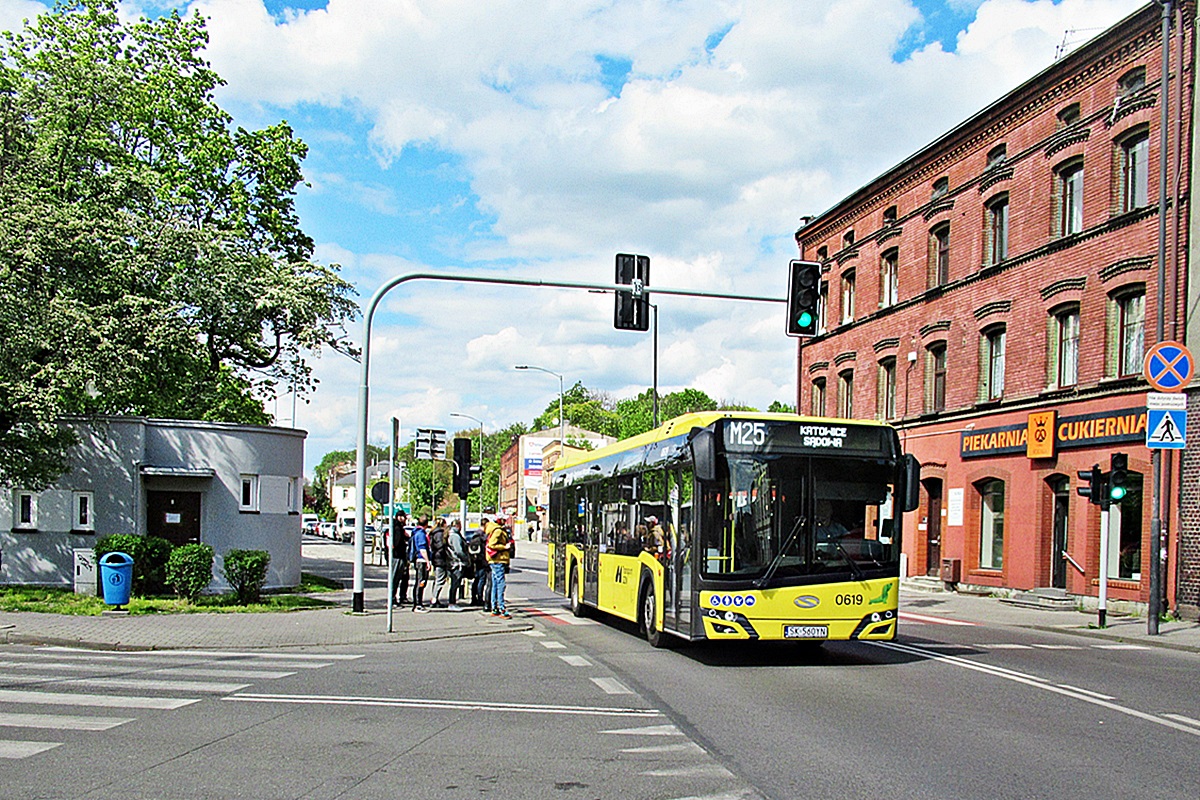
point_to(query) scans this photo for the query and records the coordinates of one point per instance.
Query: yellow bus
(737, 526)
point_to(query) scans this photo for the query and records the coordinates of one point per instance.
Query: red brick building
(993, 296)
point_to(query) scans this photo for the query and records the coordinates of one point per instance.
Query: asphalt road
(588, 710)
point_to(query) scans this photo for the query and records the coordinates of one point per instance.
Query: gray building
(229, 486)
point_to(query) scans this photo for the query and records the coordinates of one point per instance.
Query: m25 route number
(748, 434)
(848, 599)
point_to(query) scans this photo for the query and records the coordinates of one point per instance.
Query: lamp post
(476, 419)
(562, 442)
(655, 389)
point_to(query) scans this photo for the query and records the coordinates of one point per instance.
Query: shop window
(1125, 533)
(991, 524)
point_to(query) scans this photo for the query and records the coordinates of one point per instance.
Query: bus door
(558, 525)
(679, 534)
(589, 518)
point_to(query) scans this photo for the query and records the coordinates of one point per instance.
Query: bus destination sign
(778, 436)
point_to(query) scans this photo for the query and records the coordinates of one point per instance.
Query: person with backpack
(499, 545)
(418, 554)
(400, 563)
(476, 546)
(456, 556)
(439, 556)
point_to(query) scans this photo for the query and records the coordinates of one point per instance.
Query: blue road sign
(1166, 428)
(1168, 366)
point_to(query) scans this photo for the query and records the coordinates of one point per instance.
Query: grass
(65, 601)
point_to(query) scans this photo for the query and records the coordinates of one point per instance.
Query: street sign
(380, 491)
(1168, 366)
(1166, 421)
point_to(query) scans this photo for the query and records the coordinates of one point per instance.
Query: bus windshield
(778, 517)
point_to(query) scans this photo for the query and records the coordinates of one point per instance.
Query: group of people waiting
(451, 557)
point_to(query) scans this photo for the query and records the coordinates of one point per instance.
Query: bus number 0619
(749, 433)
(849, 600)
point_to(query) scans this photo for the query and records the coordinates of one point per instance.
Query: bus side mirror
(704, 454)
(912, 482)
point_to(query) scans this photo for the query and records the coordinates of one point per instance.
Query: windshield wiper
(775, 562)
(854, 567)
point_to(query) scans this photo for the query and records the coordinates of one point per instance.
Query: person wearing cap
(655, 541)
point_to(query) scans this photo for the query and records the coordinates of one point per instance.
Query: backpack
(438, 550)
(475, 549)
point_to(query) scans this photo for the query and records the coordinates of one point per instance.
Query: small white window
(249, 498)
(24, 510)
(295, 496)
(83, 516)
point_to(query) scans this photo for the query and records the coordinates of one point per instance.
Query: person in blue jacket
(418, 554)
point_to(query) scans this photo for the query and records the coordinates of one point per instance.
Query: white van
(345, 527)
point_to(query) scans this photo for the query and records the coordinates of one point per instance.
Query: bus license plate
(806, 631)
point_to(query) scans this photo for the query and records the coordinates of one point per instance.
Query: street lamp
(476, 419)
(562, 441)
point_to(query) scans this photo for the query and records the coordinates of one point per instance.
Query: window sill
(83, 532)
(24, 530)
(248, 511)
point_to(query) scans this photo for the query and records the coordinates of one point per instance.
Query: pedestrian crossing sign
(1166, 428)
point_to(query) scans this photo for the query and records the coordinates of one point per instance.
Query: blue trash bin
(116, 576)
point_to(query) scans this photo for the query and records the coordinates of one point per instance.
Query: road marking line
(1004, 646)
(612, 686)
(1121, 646)
(64, 722)
(554, 645)
(533, 632)
(649, 730)
(243, 674)
(148, 684)
(910, 617)
(1057, 647)
(106, 700)
(219, 654)
(576, 661)
(682, 747)
(1183, 719)
(454, 705)
(697, 771)
(1035, 682)
(1087, 692)
(25, 749)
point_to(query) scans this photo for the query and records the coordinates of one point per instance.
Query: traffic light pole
(364, 392)
(1102, 607)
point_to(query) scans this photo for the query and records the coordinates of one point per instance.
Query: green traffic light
(1117, 493)
(805, 319)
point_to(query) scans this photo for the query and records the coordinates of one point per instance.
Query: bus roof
(696, 419)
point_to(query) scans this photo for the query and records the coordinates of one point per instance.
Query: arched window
(1068, 116)
(885, 396)
(1133, 180)
(939, 254)
(997, 156)
(997, 228)
(889, 278)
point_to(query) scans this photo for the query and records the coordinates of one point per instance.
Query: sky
(536, 140)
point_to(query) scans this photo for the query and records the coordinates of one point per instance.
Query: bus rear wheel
(654, 636)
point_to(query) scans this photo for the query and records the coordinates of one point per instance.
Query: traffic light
(437, 444)
(632, 309)
(1091, 485)
(803, 297)
(423, 448)
(466, 475)
(1118, 477)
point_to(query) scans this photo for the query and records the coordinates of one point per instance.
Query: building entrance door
(175, 516)
(1058, 538)
(933, 527)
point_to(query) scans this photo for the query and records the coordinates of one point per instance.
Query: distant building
(994, 295)
(521, 468)
(229, 486)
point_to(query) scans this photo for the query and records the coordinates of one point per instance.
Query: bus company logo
(807, 601)
(732, 600)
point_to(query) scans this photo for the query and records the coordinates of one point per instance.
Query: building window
(997, 229)
(886, 392)
(82, 514)
(1066, 346)
(889, 215)
(992, 368)
(295, 498)
(823, 308)
(24, 510)
(848, 297)
(1131, 82)
(889, 278)
(1134, 157)
(1131, 310)
(822, 253)
(848, 239)
(249, 497)
(1068, 116)
(935, 377)
(845, 398)
(817, 406)
(997, 156)
(939, 255)
(941, 188)
(1069, 197)
(991, 524)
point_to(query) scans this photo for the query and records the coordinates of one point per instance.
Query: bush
(189, 569)
(149, 554)
(246, 571)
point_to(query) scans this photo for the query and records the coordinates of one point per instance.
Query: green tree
(778, 406)
(151, 257)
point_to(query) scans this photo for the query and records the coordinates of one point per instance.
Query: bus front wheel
(576, 595)
(654, 636)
